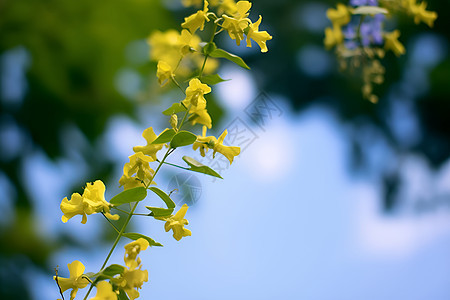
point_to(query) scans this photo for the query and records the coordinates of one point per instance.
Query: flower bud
(173, 121)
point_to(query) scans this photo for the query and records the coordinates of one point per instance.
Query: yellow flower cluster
(196, 103)
(338, 17)
(133, 277)
(137, 172)
(419, 12)
(129, 280)
(177, 54)
(92, 201)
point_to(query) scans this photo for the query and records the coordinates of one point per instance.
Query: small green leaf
(208, 48)
(160, 212)
(183, 138)
(109, 272)
(199, 167)
(369, 10)
(231, 57)
(212, 79)
(163, 196)
(175, 108)
(164, 137)
(130, 195)
(122, 295)
(135, 236)
(113, 270)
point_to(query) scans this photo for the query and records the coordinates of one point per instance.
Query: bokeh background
(332, 198)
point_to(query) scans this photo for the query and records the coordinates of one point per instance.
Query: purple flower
(363, 2)
(370, 32)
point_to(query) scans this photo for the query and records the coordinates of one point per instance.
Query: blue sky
(288, 221)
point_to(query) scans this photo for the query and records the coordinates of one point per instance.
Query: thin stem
(203, 66)
(145, 215)
(358, 35)
(206, 55)
(173, 165)
(124, 211)
(178, 64)
(184, 118)
(57, 282)
(177, 84)
(115, 228)
(122, 230)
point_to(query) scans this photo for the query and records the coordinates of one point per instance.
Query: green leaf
(109, 272)
(175, 108)
(209, 48)
(160, 212)
(369, 10)
(113, 270)
(164, 137)
(212, 79)
(135, 236)
(122, 295)
(163, 196)
(130, 195)
(231, 57)
(199, 167)
(183, 138)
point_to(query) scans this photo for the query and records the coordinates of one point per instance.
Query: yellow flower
(165, 46)
(197, 20)
(132, 250)
(173, 121)
(421, 14)
(227, 151)
(236, 24)
(150, 150)
(202, 142)
(333, 36)
(73, 207)
(92, 201)
(132, 280)
(76, 281)
(195, 93)
(340, 16)
(260, 37)
(188, 42)
(227, 6)
(181, 51)
(176, 223)
(201, 116)
(196, 102)
(210, 142)
(164, 73)
(188, 3)
(139, 165)
(104, 292)
(391, 42)
(242, 8)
